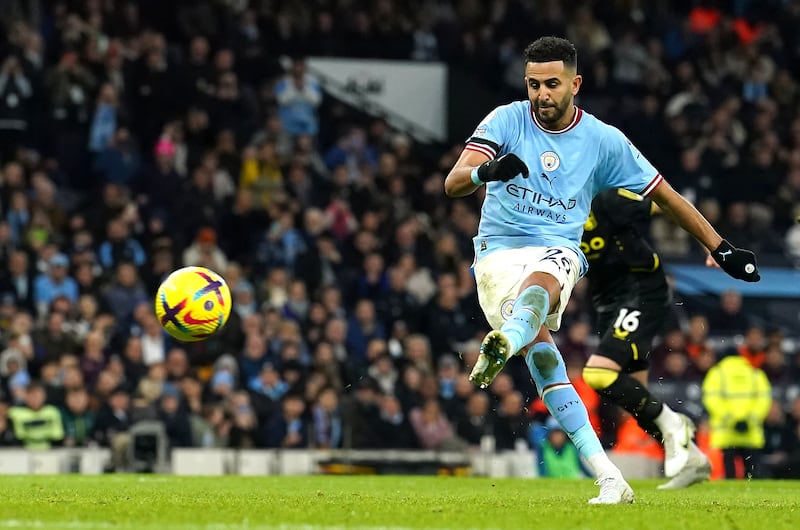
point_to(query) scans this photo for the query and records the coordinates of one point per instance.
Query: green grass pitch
(382, 502)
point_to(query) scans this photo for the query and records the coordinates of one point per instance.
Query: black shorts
(627, 332)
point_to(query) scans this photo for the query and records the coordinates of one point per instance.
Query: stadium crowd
(137, 137)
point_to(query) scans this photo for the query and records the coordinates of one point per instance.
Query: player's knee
(545, 358)
(599, 378)
(535, 297)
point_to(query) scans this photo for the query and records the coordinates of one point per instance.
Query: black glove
(741, 426)
(503, 169)
(737, 262)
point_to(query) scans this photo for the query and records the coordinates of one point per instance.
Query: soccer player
(630, 293)
(542, 161)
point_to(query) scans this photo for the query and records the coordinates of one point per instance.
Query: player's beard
(555, 111)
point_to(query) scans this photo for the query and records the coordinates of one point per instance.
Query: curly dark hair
(546, 49)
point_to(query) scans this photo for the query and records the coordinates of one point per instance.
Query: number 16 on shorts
(627, 322)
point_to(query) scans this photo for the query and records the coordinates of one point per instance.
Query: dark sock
(634, 397)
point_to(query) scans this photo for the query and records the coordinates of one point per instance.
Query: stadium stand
(140, 136)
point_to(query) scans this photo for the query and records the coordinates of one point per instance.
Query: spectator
(559, 458)
(221, 385)
(261, 173)
(124, 295)
(296, 307)
(36, 424)
(12, 359)
(700, 365)
(361, 416)
(372, 281)
(476, 423)
(362, 327)
(197, 206)
(120, 247)
(446, 321)
(16, 106)
(448, 374)
(729, 318)
(281, 243)
(398, 304)
(269, 383)
(93, 359)
(18, 280)
(53, 340)
(214, 429)
(53, 283)
(753, 347)
(325, 363)
(162, 187)
(776, 367)
(737, 397)
(177, 365)
(327, 420)
(133, 360)
(175, 419)
(274, 131)
(392, 426)
(384, 372)
(18, 216)
(575, 347)
(670, 358)
(298, 95)
(510, 423)
(778, 443)
(118, 160)
(69, 86)
(17, 382)
(351, 152)
(78, 418)
(104, 122)
(154, 341)
(697, 336)
(433, 429)
(204, 251)
(112, 425)
(287, 429)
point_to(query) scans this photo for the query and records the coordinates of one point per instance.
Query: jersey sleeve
(492, 133)
(622, 165)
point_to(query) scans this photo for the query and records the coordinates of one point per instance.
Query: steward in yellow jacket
(737, 397)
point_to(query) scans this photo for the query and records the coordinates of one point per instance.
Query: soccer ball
(193, 303)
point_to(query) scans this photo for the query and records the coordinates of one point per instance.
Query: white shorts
(500, 275)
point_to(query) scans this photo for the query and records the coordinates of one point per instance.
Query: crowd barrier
(519, 463)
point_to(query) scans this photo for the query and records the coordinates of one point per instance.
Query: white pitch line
(92, 525)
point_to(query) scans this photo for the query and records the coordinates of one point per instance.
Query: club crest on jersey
(550, 161)
(506, 308)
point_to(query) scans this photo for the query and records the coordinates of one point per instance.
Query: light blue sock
(530, 311)
(550, 375)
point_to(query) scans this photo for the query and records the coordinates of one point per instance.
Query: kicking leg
(550, 375)
(538, 296)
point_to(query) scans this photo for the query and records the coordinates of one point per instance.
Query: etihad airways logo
(539, 199)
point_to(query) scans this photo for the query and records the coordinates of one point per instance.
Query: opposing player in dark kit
(630, 293)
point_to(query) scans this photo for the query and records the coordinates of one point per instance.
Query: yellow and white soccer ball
(193, 303)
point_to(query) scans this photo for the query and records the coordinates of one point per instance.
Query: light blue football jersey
(566, 170)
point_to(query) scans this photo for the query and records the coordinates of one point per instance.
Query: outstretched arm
(686, 215)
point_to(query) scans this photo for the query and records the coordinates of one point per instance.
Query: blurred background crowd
(138, 137)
